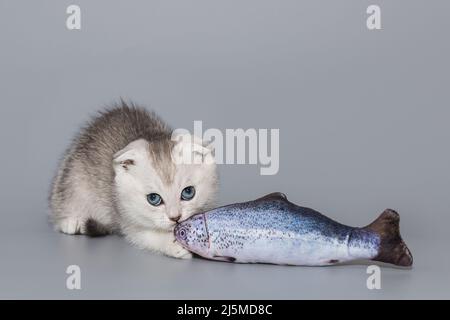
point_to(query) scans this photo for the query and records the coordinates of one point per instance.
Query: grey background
(363, 118)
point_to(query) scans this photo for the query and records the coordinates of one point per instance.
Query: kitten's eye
(154, 199)
(188, 193)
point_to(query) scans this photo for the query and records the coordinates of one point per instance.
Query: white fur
(149, 226)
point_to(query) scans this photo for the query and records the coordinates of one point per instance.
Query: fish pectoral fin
(273, 195)
(225, 258)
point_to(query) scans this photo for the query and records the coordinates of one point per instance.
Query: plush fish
(273, 230)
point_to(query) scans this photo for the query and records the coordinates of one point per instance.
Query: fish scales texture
(273, 230)
(286, 233)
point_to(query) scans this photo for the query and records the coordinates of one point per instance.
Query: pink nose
(175, 219)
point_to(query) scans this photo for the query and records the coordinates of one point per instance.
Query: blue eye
(154, 199)
(188, 193)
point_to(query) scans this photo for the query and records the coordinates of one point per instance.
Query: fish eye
(154, 199)
(182, 233)
(188, 193)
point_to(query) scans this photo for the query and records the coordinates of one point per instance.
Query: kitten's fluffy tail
(392, 248)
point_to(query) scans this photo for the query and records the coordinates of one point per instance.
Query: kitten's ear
(190, 149)
(129, 155)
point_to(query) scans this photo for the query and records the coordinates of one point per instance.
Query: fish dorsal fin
(273, 196)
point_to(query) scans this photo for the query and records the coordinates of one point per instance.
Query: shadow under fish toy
(273, 230)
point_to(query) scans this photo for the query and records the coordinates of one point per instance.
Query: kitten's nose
(175, 219)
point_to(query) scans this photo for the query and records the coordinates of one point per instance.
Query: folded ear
(129, 155)
(190, 149)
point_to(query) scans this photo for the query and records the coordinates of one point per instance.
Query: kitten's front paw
(71, 225)
(177, 251)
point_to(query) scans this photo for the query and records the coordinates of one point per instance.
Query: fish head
(192, 234)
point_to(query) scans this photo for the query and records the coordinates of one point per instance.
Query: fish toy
(273, 230)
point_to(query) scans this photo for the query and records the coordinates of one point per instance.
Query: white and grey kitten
(118, 176)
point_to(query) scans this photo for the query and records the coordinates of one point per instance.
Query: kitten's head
(153, 190)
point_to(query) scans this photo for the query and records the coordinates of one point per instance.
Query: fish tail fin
(392, 248)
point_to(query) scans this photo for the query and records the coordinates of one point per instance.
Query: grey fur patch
(160, 153)
(95, 229)
(87, 168)
(84, 185)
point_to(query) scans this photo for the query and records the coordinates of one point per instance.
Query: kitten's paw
(69, 225)
(179, 252)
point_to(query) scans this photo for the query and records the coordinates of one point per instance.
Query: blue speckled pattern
(273, 230)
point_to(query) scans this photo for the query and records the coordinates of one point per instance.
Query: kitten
(119, 176)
